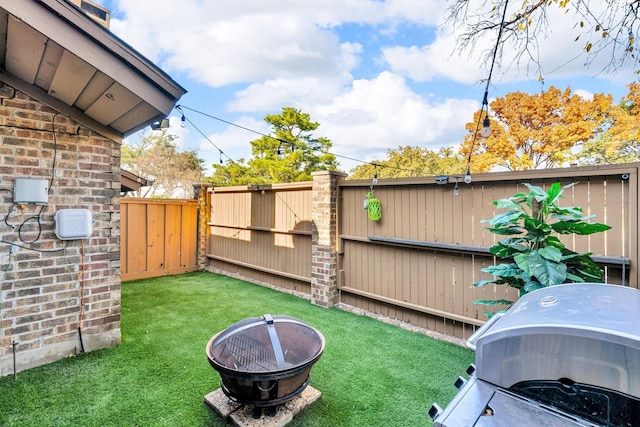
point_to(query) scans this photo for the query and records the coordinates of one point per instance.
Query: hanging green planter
(374, 211)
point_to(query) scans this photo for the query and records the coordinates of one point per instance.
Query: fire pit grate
(250, 354)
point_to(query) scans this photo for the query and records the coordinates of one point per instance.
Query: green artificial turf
(371, 373)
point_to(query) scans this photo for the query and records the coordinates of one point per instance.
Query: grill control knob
(460, 382)
(435, 411)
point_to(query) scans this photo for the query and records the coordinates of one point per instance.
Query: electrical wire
(4, 277)
(180, 107)
(185, 118)
(34, 249)
(36, 218)
(55, 151)
(82, 280)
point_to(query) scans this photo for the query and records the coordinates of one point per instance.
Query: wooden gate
(158, 237)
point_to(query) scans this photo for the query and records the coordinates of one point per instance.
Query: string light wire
(485, 101)
(180, 107)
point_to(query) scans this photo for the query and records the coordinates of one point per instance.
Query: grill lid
(585, 332)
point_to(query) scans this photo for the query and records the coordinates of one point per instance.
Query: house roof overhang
(53, 51)
(132, 182)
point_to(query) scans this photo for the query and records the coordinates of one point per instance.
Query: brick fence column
(324, 257)
(201, 194)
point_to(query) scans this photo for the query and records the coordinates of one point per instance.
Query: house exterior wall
(57, 297)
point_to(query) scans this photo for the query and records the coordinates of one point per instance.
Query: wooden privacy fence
(262, 233)
(158, 237)
(418, 262)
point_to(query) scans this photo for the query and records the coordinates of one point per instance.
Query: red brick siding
(40, 275)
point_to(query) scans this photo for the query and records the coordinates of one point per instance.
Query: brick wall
(41, 276)
(324, 258)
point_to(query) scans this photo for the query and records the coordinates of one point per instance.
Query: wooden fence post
(324, 257)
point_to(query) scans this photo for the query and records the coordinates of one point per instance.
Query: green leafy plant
(536, 256)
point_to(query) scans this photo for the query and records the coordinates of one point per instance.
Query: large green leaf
(551, 253)
(507, 204)
(508, 218)
(568, 213)
(537, 192)
(547, 272)
(502, 270)
(481, 283)
(501, 250)
(522, 261)
(531, 286)
(493, 301)
(506, 231)
(537, 231)
(506, 248)
(555, 242)
(577, 227)
(554, 193)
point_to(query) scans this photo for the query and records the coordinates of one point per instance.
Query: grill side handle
(471, 342)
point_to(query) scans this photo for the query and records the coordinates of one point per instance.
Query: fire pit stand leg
(257, 412)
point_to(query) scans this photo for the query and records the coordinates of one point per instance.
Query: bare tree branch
(610, 27)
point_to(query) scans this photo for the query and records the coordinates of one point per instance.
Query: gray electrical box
(73, 224)
(31, 190)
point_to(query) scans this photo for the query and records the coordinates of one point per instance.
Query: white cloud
(437, 60)
(383, 113)
(222, 42)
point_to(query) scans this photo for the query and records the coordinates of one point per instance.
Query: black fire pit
(265, 361)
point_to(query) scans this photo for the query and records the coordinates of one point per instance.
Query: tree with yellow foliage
(535, 131)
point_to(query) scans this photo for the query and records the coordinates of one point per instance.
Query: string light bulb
(467, 177)
(183, 120)
(485, 132)
(455, 188)
(375, 179)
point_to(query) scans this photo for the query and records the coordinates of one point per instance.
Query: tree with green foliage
(407, 161)
(534, 255)
(289, 154)
(620, 141)
(156, 157)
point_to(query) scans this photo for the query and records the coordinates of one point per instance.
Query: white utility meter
(73, 224)
(31, 190)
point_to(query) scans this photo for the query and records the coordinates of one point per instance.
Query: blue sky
(376, 74)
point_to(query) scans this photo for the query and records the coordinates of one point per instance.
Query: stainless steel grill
(567, 355)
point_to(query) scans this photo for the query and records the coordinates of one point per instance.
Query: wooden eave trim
(116, 45)
(73, 112)
(74, 31)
